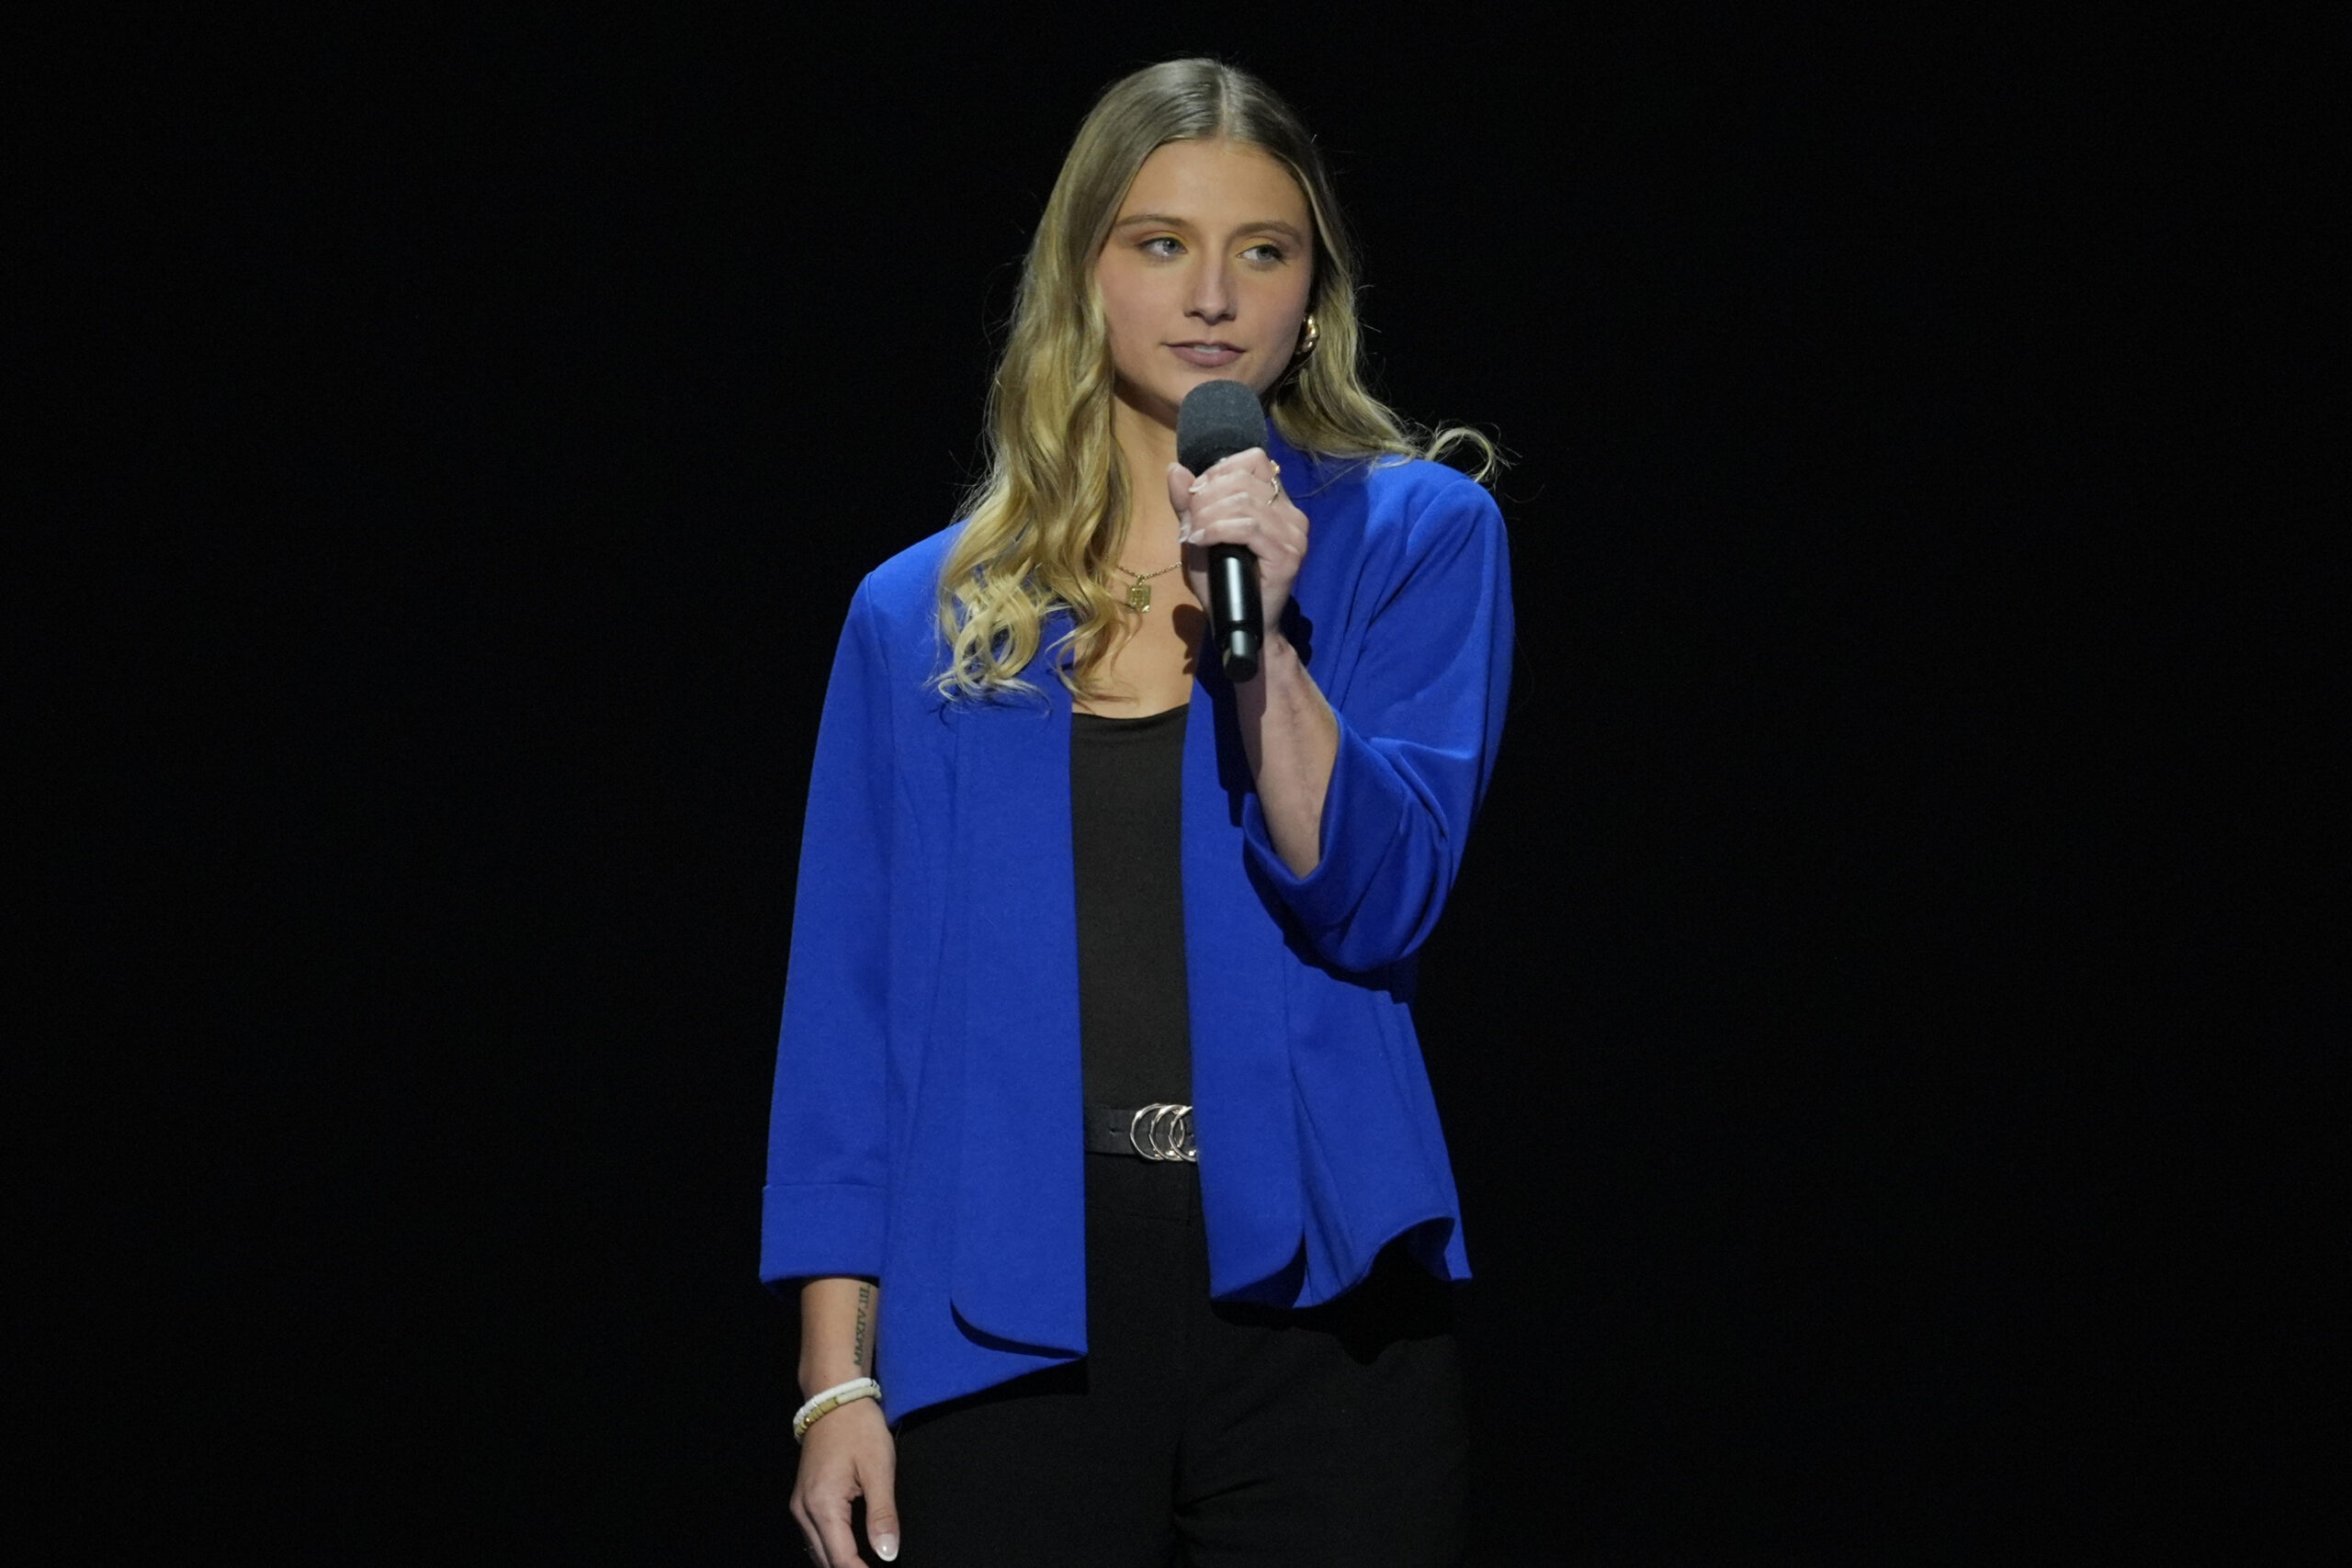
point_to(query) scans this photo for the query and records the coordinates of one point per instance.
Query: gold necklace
(1139, 591)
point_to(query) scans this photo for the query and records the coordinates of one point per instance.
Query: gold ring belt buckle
(1163, 1133)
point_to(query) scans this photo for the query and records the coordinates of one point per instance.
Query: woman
(1063, 883)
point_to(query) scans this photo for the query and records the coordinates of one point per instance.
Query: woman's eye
(1268, 253)
(1162, 245)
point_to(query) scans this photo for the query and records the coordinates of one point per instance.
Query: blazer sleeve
(826, 1203)
(1418, 729)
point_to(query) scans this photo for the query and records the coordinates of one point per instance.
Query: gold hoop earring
(1309, 335)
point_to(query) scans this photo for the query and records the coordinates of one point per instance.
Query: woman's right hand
(847, 1452)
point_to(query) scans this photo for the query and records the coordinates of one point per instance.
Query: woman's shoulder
(906, 586)
(1416, 501)
(1417, 483)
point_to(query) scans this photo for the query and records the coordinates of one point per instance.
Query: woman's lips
(1208, 356)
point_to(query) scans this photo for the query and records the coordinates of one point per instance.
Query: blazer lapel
(1020, 1266)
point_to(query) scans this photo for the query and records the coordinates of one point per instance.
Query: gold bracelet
(830, 1400)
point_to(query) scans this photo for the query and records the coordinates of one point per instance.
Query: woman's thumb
(882, 1515)
(1179, 488)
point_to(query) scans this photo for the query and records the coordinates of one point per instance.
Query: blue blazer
(927, 1128)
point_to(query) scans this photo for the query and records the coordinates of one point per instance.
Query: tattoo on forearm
(857, 1346)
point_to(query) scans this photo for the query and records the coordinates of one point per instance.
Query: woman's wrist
(826, 1401)
(817, 1376)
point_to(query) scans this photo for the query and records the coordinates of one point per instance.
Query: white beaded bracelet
(830, 1400)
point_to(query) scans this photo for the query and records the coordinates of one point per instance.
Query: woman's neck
(1147, 446)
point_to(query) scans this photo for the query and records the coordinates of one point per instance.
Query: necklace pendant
(1138, 595)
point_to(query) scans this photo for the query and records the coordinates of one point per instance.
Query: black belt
(1153, 1132)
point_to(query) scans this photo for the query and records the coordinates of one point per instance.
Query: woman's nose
(1212, 293)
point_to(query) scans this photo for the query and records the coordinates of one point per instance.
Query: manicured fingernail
(886, 1547)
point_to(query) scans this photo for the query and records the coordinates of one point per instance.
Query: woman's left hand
(1241, 502)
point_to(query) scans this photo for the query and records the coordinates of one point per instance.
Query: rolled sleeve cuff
(808, 1230)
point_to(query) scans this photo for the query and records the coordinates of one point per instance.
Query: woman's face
(1206, 274)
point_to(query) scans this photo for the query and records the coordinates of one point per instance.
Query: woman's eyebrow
(1170, 220)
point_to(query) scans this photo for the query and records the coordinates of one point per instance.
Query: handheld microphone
(1216, 420)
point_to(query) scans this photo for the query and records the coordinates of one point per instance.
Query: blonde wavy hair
(1050, 513)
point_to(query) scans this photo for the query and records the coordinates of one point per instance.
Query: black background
(1851, 1015)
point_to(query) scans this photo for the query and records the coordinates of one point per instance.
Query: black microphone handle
(1235, 614)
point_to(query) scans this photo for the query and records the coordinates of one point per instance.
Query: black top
(1126, 793)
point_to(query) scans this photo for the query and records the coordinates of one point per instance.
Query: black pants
(1200, 1433)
